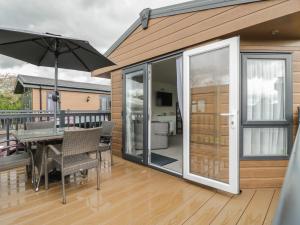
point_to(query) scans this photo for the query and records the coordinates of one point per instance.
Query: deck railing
(16, 119)
(288, 210)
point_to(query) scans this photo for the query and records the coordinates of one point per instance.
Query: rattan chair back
(107, 128)
(80, 141)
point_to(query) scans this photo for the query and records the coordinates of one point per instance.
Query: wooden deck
(131, 194)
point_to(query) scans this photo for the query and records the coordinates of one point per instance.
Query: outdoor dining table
(43, 137)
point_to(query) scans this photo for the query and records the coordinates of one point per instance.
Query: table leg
(32, 168)
(41, 168)
(46, 167)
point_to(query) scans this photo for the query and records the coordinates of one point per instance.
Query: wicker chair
(106, 138)
(72, 156)
(14, 158)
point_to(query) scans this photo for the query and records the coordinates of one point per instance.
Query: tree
(9, 100)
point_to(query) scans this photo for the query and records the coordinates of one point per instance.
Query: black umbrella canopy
(41, 49)
(51, 50)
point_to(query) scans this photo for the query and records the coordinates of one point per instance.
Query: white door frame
(234, 96)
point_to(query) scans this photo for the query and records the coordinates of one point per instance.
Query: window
(266, 105)
(105, 102)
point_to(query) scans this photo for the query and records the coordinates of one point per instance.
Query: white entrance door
(211, 117)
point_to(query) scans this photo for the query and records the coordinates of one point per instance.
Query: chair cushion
(14, 161)
(75, 163)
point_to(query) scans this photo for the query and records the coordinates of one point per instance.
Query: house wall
(167, 34)
(253, 173)
(69, 100)
(271, 173)
(116, 110)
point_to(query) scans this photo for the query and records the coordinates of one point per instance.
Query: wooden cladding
(116, 111)
(176, 32)
(253, 173)
(271, 173)
(168, 34)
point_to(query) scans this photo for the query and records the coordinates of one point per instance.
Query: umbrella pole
(55, 83)
(55, 91)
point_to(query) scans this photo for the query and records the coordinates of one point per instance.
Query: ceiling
(165, 71)
(287, 27)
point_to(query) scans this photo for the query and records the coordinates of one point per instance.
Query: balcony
(130, 194)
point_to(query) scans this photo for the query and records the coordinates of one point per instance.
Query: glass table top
(40, 134)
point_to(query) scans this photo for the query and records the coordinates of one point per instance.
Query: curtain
(50, 103)
(265, 102)
(179, 72)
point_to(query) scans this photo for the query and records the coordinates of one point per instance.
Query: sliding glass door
(135, 113)
(211, 97)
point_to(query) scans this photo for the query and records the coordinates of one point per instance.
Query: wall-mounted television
(163, 98)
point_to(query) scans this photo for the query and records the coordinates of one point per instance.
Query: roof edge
(186, 7)
(20, 80)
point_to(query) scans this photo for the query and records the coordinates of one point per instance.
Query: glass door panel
(209, 88)
(135, 113)
(210, 116)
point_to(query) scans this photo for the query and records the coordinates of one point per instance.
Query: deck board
(234, 209)
(207, 213)
(131, 194)
(256, 211)
(272, 208)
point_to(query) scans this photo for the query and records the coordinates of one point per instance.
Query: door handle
(227, 114)
(231, 120)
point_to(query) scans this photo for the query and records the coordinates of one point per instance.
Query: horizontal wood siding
(72, 100)
(181, 31)
(271, 173)
(116, 111)
(253, 174)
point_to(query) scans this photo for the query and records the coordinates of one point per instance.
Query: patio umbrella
(51, 50)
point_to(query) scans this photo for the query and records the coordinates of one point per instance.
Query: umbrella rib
(44, 40)
(79, 59)
(20, 41)
(39, 44)
(70, 50)
(84, 48)
(44, 55)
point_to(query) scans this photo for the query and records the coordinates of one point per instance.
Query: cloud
(100, 22)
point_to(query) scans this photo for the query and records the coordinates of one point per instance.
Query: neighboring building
(231, 68)
(36, 94)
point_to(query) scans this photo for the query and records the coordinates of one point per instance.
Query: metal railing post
(62, 118)
(7, 131)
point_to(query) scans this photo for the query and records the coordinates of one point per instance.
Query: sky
(101, 22)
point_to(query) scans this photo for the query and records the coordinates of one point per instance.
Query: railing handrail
(48, 111)
(17, 119)
(288, 210)
(34, 113)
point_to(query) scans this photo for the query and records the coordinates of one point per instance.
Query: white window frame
(234, 69)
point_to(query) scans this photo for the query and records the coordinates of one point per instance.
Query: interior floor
(174, 151)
